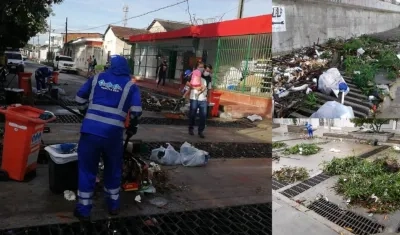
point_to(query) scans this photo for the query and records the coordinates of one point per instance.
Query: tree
(22, 19)
(374, 123)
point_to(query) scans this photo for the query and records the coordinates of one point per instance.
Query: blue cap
(187, 72)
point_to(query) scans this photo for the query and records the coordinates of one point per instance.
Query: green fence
(243, 64)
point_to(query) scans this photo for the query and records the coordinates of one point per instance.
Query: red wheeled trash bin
(22, 140)
(215, 96)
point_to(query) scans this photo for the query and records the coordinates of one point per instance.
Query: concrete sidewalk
(289, 217)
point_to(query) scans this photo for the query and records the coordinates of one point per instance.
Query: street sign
(278, 19)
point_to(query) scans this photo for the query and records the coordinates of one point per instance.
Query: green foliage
(311, 101)
(377, 57)
(22, 19)
(291, 174)
(303, 149)
(360, 179)
(375, 124)
(277, 145)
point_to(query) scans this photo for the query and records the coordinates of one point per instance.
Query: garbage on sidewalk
(289, 174)
(333, 110)
(362, 69)
(188, 156)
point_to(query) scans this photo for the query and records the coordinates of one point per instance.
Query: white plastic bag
(330, 80)
(192, 156)
(333, 109)
(166, 156)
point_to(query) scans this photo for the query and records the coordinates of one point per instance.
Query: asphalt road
(69, 82)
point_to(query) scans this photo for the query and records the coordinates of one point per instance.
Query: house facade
(80, 49)
(148, 55)
(116, 41)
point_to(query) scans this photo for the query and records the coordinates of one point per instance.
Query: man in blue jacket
(41, 75)
(105, 99)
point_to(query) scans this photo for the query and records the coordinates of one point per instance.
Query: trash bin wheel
(4, 175)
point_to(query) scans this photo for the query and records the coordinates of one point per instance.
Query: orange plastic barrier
(55, 77)
(25, 83)
(215, 96)
(22, 140)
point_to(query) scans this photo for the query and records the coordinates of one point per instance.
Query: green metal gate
(243, 64)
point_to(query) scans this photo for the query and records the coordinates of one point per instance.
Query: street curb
(311, 214)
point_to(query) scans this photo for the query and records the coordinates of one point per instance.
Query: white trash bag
(192, 156)
(330, 80)
(166, 156)
(333, 109)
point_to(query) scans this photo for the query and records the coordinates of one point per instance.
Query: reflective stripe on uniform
(85, 202)
(85, 194)
(136, 109)
(80, 100)
(105, 120)
(113, 197)
(112, 191)
(117, 111)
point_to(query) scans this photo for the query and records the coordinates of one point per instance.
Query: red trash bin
(54, 77)
(22, 140)
(215, 96)
(25, 83)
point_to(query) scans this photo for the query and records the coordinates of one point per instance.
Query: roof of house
(169, 25)
(73, 36)
(124, 32)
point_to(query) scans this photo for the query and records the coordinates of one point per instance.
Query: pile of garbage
(355, 71)
(151, 102)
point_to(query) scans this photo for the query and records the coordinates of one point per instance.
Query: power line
(230, 10)
(133, 17)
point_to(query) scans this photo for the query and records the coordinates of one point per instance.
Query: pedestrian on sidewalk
(105, 99)
(162, 73)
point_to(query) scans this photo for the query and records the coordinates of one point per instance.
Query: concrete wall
(310, 20)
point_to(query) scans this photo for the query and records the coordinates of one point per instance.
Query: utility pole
(38, 46)
(49, 50)
(125, 9)
(240, 10)
(66, 35)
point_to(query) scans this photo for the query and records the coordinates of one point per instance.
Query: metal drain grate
(305, 185)
(249, 219)
(167, 121)
(65, 102)
(346, 219)
(278, 185)
(373, 152)
(222, 149)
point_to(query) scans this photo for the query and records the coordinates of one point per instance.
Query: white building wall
(335, 123)
(110, 43)
(157, 28)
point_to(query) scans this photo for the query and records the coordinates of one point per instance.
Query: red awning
(246, 26)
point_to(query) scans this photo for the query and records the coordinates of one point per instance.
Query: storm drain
(349, 220)
(305, 185)
(373, 152)
(220, 149)
(278, 185)
(167, 121)
(249, 220)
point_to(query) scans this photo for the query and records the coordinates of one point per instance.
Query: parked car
(64, 63)
(15, 62)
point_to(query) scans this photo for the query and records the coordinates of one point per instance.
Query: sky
(92, 16)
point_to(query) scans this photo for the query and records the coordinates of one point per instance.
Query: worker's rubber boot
(191, 132)
(81, 217)
(201, 135)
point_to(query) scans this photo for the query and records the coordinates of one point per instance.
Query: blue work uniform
(108, 97)
(309, 130)
(41, 74)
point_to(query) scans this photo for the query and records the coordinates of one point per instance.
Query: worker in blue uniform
(105, 99)
(41, 76)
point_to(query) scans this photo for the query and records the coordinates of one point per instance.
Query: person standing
(89, 63)
(105, 99)
(198, 102)
(162, 73)
(309, 130)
